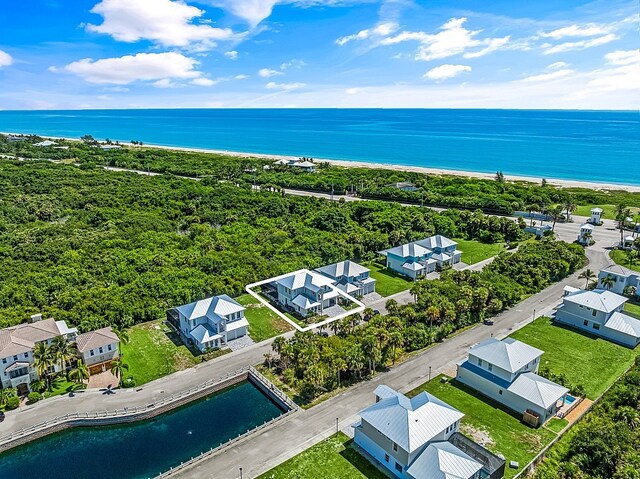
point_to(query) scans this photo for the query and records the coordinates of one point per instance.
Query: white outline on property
(359, 309)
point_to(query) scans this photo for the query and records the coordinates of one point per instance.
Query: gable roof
(587, 226)
(343, 268)
(410, 423)
(203, 333)
(305, 279)
(536, 389)
(217, 305)
(508, 354)
(598, 299)
(96, 339)
(443, 460)
(624, 324)
(617, 270)
(436, 241)
(410, 249)
(303, 302)
(23, 337)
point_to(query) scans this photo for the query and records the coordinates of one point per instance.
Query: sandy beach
(363, 164)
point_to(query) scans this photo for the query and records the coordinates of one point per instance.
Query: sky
(93, 54)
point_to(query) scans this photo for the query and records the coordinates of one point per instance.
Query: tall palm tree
(80, 373)
(118, 368)
(555, 212)
(608, 281)
(396, 339)
(569, 206)
(43, 359)
(588, 275)
(433, 313)
(123, 336)
(622, 213)
(63, 351)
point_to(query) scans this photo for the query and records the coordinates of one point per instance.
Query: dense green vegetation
(574, 358)
(606, 443)
(310, 364)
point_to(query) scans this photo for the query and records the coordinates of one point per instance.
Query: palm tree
(569, 206)
(395, 340)
(79, 373)
(63, 351)
(588, 275)
(118, 367)
(433, 313)
(622, 213)
(391, 306)
(608, 281)
(43, 359)
(632, 256)
(123, 336)
(555, 212)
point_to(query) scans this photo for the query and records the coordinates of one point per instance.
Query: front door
(22, 389)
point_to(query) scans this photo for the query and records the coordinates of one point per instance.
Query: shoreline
(558, 182)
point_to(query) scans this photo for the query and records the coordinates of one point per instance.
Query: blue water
(144, 449)
(569, 399)
(581, 145)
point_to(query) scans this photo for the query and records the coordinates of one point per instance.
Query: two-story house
(306, 292)
(420, 258)
(98, 349)
(350, 277)
(414, 438)
(599, 312)
(505, 371)
(17, 344)
(585, 235)
(621, 277)
(211, 322)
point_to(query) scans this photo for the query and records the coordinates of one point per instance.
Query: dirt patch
(534, 441)
(481, 436)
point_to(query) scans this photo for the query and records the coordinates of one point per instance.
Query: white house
(306, 292)
(45, 143)
(110, 147)
(600, 313)
(98, 349)
(585, 234)
(305, 165)
(16, 350)
(212, 322)
(596, 216)
(622, 278)
(505, 371)
(422, 257)
(350, 277)
(412, 438)
(404, 186)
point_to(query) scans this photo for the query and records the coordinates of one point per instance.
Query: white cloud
(380, 30)
(623, 57)
(252, 11)
(548, 76)
(445, 71)
(131, 68)
(242, 76)
(492, 45)
(231, 55)
(284, 86)
(589, 30)
(623, 75)
(295, 63)
(165, 83)
(579, 45)
(203, 82)
(558, 66)
(267, 72)
(5, 59)
(353, 91)
(166, 22)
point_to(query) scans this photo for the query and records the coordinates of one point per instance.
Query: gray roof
(538, 390)
(436, 241)
(96, 339)
(203, 333)
(443, 460)
(303, 302)
(617, 270)
(22, 338)
(343, 268)
(508, 354)
(222, 305)
(598, 299)
(406, 250)
(624, 324)
(303, 279)
(304, 164)
(410, 423)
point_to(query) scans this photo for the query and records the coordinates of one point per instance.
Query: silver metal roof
(624, 324)
(617, 270)
(538, 390)
(436, 241)
(222, 305)
(443, 460)
(598, 299)
(303, 279)
(343, 268)
(508, 354)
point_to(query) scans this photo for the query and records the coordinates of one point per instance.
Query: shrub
(34, 397)
(12, 403)
(129, 382)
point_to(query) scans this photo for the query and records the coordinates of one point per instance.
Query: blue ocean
(600, 146)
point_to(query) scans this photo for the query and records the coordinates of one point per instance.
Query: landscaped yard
(155, 350)
(505, 434)
(331, 458)
(608, 211)
(388, 282)
(620, 257)
(582, 359)
(475, 251)
(60, 385)
(633, 309)
(263, 323)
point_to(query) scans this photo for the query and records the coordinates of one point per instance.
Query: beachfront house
(586, 233)
(211, 322)
(306, 292)
(303, 164)
(404, 186)
(98, 349)
(506, 372)
(596, 216)
(418, 438)
(110, 147)
(350, 277)
(420, 258)
(17, 344)
(45, 143)
(600, 313)
(619, 279)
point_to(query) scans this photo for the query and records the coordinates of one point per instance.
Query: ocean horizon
(590, 145)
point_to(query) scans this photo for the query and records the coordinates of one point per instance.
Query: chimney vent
(36, 317)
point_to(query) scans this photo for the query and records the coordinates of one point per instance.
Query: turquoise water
(144, 449)
(580, 145)
(569, 400)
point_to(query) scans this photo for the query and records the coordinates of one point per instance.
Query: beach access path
(265, 449)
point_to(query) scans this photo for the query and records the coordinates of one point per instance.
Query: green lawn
(155, 350)
(506, 434)
(608, 211)
(60, 386)
(633, 309)
(263, 323)
(388, 282)
(593, 362)
(556, 424)
(331, 458)
(620, 257)
(474, 251)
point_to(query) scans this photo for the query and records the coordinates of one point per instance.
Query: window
(500, 392)
(594, 312)
(395, 447)
(91, 352)
(386, 457)
(4, 360)
(398, 467)
(101, 350)
(596, 326)
(585, 323)
(109, 348)
(479, 362)
(15, 358)
(490, 367)
(26, 355)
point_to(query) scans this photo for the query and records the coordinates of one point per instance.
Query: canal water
(143, 449)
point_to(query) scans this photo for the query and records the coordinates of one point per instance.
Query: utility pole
(337, 427)
(429, 373)
(240, 473)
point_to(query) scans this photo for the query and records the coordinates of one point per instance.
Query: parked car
(1, 416)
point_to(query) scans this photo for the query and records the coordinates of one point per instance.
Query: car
(324, 334)
(1, 416)
(376, 312)
(489, 322)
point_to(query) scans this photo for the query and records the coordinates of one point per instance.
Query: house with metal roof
(98, 349)
(420, 258)
(601, 313)
(586, 233)
(211, 322)
(506, 371)
(622, 279)
(410, 438)
(350, 277)
(306, 292)
(596, 216)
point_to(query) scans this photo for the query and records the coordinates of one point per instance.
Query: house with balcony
(506, 372)
(420, 258)
(350, 277)
(210, 322)
(98, 349)
(17, 344)
(418, 438)
(306, 292)
(622, 277)
(596, 216)
(601, 313)
(586, 234)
